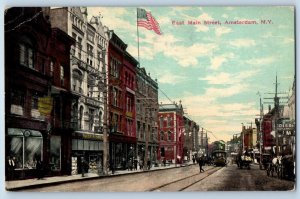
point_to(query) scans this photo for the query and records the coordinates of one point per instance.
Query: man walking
(201, 163)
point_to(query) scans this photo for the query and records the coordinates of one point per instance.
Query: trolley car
(219, 157)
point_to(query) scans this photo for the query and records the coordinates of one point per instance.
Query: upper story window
(62, 75)
(169, 135)
(162, 135)
(161, 122)
(90, 37)
(51, 68)
(17, 102)
(169, 119)
(114, 67)
(26, 52)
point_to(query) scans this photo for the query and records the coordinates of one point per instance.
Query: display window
(26, 146)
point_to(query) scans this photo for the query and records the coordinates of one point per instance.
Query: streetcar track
(199, 180)
(182, 179)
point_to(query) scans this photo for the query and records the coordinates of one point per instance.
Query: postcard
(139, 99)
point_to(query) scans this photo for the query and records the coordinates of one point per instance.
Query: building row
(273, 133)
(75, 96)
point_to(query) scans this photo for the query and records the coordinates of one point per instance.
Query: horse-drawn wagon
(244, 161)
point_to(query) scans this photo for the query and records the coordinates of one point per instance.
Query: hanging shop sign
(45, 105)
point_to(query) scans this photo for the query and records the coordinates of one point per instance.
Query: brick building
(36, 79)
(171, 132)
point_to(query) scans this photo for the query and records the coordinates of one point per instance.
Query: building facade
(146, 117)
(37, 78)
(171, 132)
(191, 139)
(88, 77)
(121, 103)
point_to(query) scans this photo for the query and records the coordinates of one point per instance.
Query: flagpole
(138, 37)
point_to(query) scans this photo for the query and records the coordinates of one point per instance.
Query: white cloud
(225, 16)
(221, 30)
(168, 77)
(169, 45)
(261, 61)
(217, 61)
(227, 78)
(242, 42)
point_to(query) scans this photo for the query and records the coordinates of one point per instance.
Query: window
(100, 118)
(77, 81)
(91, 119)
(62, 75)
(17, 102)
(169, 135)
(51, 68)
(169, 121)
(55, 153)
(26, 52)
(34, 105)
(162, 135)
(114, 67)
(161, 122)
(80, 117)
(21, 142)
(90, 37)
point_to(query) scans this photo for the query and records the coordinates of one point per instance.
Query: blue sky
(215, 70)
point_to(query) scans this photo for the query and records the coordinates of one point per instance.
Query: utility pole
(260, 131)
(106, 122)
(276, 104)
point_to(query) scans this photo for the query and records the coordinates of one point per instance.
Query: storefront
(122, 150)
(87, 153)
(25, 146)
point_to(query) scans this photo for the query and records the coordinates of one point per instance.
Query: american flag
(146, 20)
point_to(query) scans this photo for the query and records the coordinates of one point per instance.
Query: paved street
(232, 178)
(188, 178)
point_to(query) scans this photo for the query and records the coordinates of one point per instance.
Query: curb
(32, 186)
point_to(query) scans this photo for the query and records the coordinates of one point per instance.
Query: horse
(275, 166)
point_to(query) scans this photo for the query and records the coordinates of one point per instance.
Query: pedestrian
(148, 164)
(11, 165)
(135, 162)
(130, 165)
(194, 159)
(164, 161)
(141, 164)
(39, 169)
(201, 163)
(83, 166)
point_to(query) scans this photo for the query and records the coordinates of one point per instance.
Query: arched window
(162, 135)
(80, 117)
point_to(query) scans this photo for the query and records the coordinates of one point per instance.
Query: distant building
(121, 103)
(171, 132)
(146, 116)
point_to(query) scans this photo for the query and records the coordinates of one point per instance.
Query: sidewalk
(16, 185)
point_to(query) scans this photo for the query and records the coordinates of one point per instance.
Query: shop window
(26, 146)
(55, 153)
